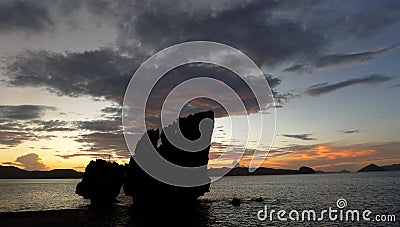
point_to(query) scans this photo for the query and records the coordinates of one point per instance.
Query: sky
(332, 67)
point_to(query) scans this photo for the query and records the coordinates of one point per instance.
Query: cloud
(111, 112)
(300, 136)
(14, 132)
(104, 143)
(100, 73)
(273, 33)
(268, 37)
(19, 124)
(31, 161)
(333, 156)
(74, 75)
(320, 89)
(253, 28)
(49, 126)
(14, 138)
(339, 59)
(299, 68)
(335, 59)
(88, 154)
(23, 112)
(100, 125)
(350, 131)
(7, 125)
(24, 16)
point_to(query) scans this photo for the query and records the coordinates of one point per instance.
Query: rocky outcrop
(143, 187)
(102, 182)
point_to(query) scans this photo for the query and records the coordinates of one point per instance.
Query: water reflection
(161, 214)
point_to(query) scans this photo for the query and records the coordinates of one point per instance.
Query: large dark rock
(144, 188)
(306, 170)
(102, 182)
(371, 168)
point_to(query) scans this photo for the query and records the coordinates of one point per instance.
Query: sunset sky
(333, 67)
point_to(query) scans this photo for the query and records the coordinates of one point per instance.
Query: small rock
(259, 199)
(235, 202)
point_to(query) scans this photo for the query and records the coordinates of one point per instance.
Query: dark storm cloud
(336, 22)
(364, 20)
(273, 33)
(184, 73)
(100, 73)
(30, 16)
(23, 112)
(249, 27)
(105, 74)
(320, 89)
(305, 136)
(268, 31)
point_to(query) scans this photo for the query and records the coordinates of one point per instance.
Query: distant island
(244, 171)
(11, 172)
(394, 167)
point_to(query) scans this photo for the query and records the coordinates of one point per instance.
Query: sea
(376, 195)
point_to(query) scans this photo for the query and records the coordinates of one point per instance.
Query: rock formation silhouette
(144, 188)
(102, 182)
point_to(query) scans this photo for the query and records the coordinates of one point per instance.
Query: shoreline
(115, 215)
(64, 217)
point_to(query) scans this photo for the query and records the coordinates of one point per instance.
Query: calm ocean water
(378, 192)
